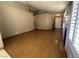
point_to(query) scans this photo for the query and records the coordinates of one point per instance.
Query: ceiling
(51, 6)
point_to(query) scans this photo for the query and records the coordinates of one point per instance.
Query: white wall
(44, 21)
(1, 42)
(16, 20)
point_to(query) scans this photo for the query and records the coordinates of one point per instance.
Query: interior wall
(15, 4)
(16, 19)
(44, 21)
(1, 43)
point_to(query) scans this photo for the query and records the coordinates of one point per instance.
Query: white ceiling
(52, 6)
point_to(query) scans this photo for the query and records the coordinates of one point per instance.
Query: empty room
(39, 29)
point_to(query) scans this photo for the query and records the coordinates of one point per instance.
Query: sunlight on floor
(4, 54)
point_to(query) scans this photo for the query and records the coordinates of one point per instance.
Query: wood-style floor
(36, 44)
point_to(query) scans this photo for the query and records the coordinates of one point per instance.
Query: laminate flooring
(36, 44)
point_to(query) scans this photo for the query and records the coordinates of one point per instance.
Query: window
(74, 26)
(73, 19)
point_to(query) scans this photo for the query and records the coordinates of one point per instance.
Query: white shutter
(74, 26)
(76, 32)
(73, 19)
